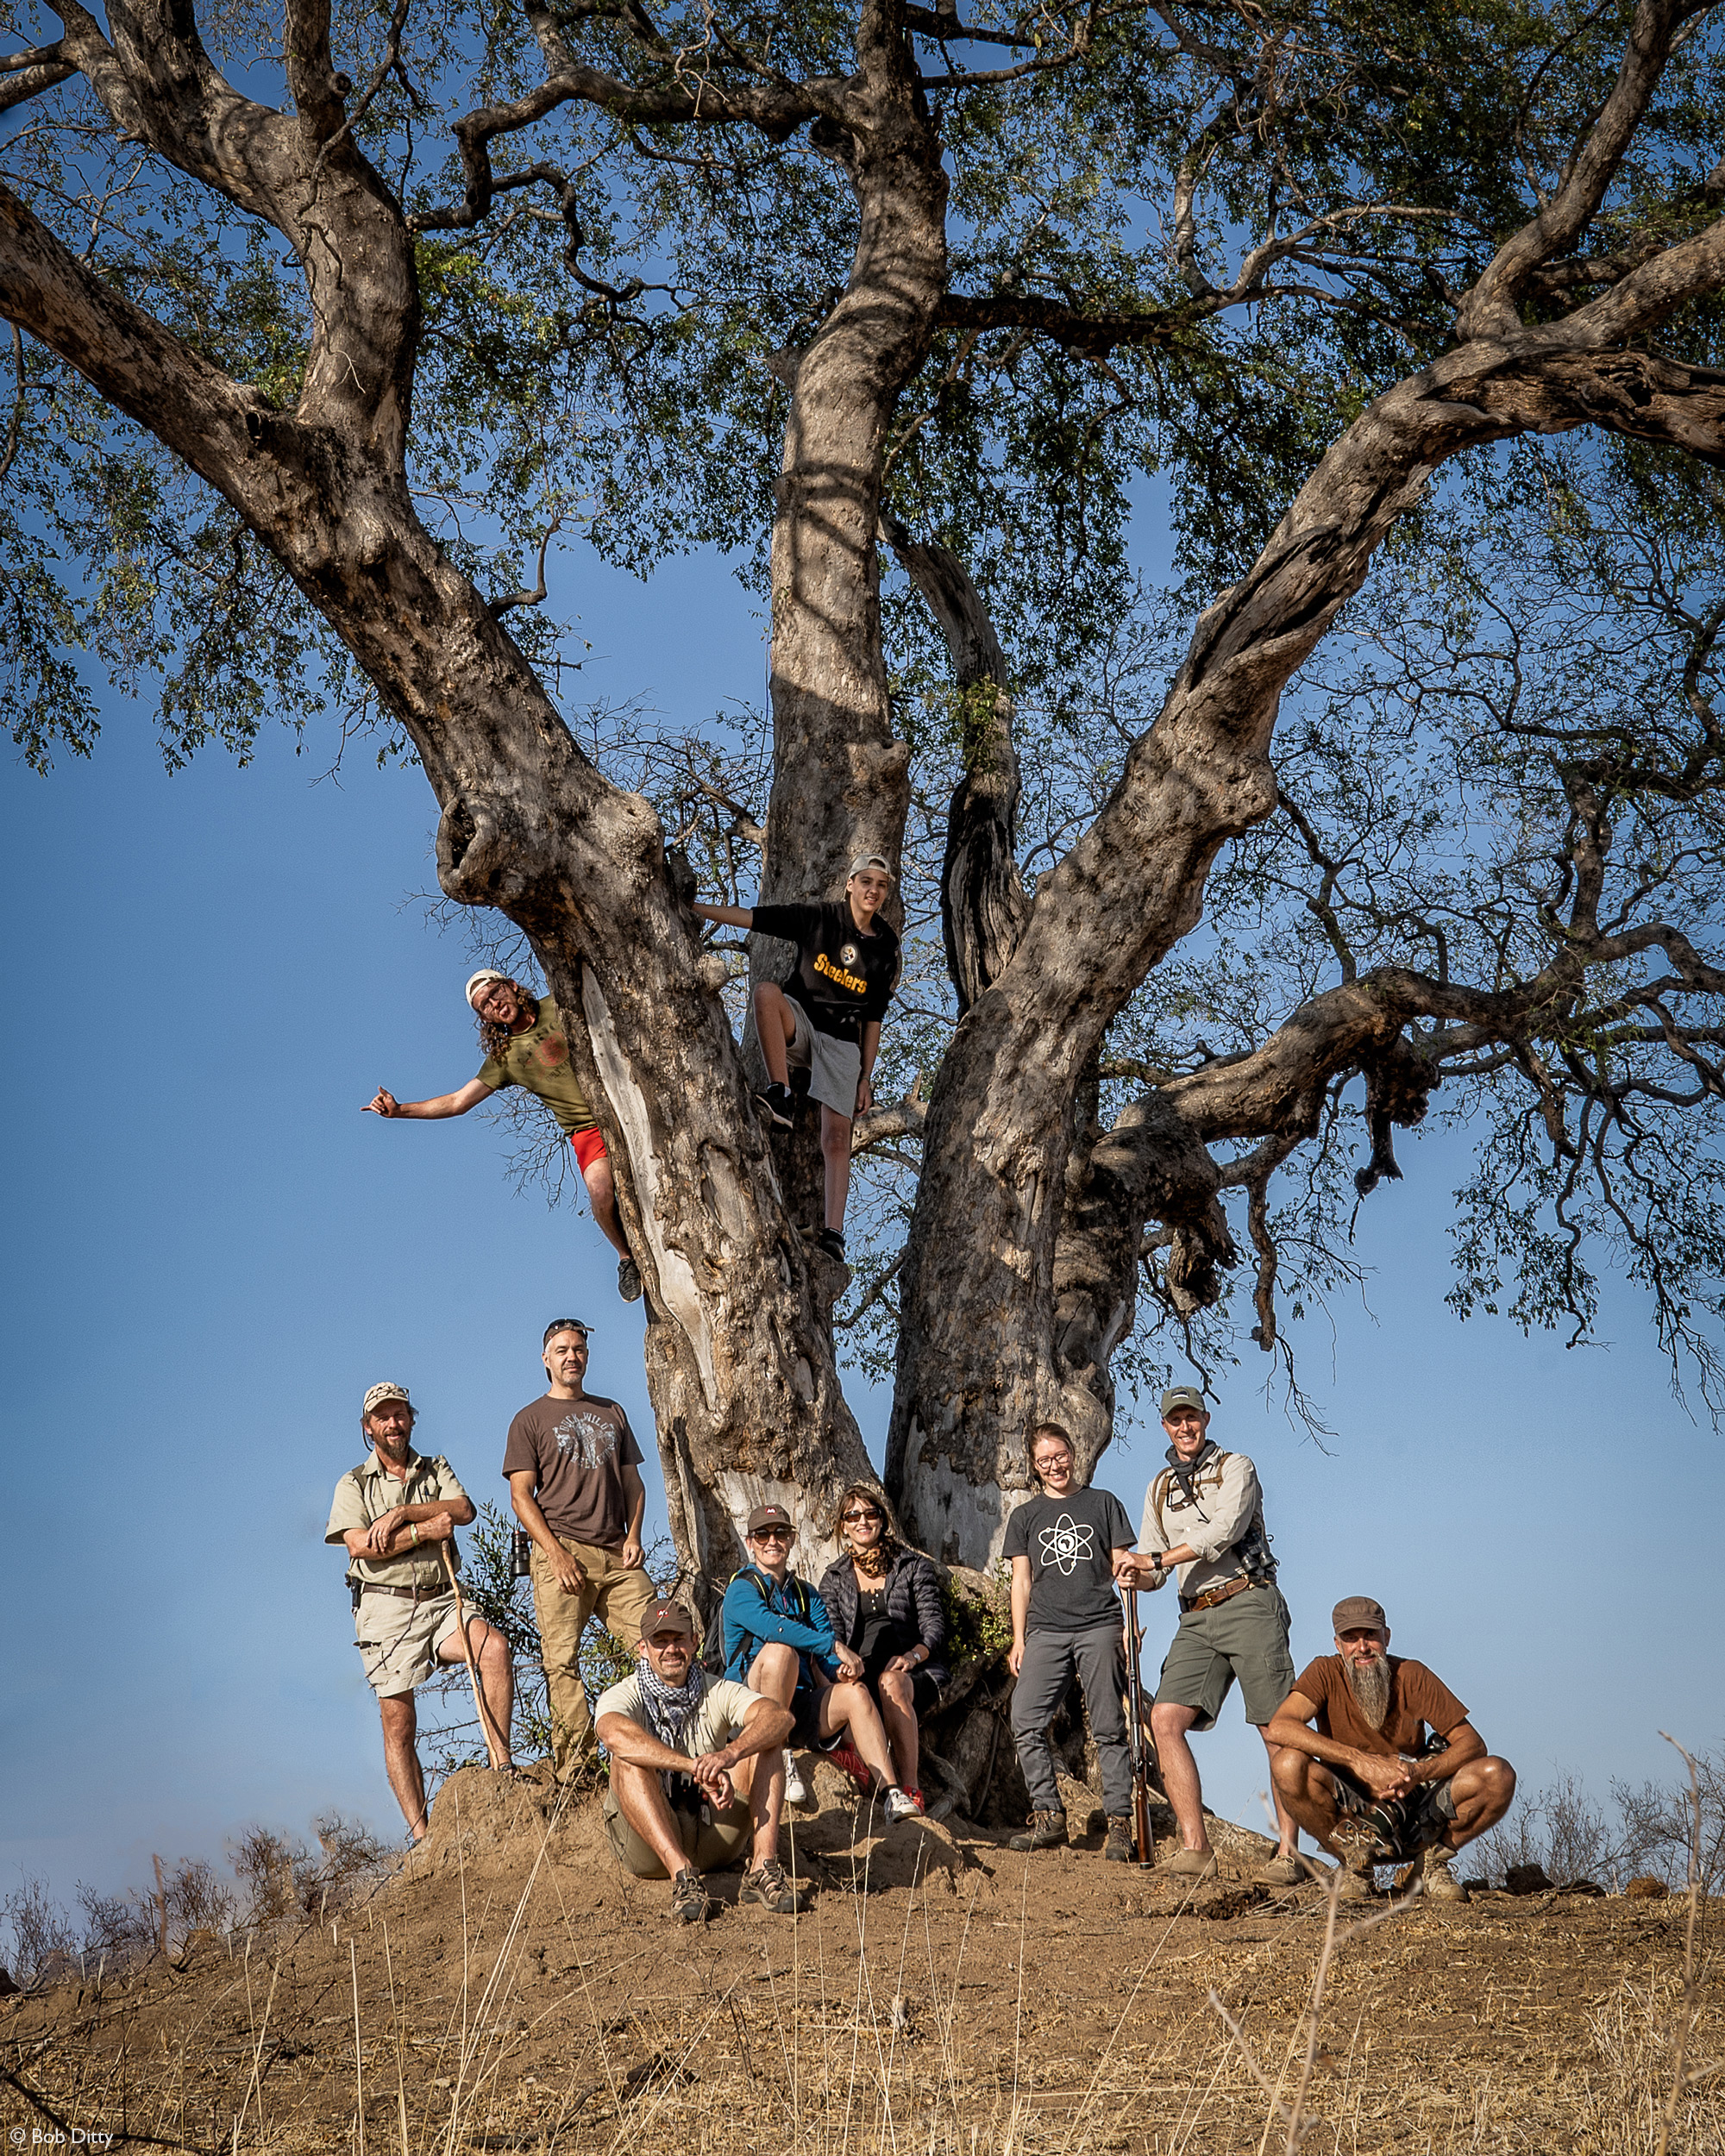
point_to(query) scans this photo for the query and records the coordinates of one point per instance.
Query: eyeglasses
(772, 1534)
(852, 1518)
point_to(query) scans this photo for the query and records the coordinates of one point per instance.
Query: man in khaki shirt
(390, 1513)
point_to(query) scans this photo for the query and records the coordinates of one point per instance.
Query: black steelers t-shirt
(844, 980)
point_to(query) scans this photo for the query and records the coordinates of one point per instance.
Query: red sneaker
(915, 1797)
(845, 1755)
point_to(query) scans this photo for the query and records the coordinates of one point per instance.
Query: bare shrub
(353, 1856)
(1565, 1831)
(38, 1934)
(119, 1929)
(1658, 1826)
(271, 1869)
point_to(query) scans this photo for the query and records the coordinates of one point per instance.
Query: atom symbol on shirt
(1065, 1544)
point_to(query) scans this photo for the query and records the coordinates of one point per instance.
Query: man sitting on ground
(825, 1018)
(697, 1774)
(778, 1639)
(1368, 1781)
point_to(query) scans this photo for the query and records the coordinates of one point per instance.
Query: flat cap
(1354, 1611)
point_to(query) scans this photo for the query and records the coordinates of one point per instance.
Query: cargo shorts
(712, 1841)
(399, 1639)
(1245, 1638)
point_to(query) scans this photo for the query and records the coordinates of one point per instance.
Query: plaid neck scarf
(671, 1708)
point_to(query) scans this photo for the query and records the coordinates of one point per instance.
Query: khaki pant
(620, 1600)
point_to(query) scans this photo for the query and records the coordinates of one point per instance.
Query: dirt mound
(512, 1989)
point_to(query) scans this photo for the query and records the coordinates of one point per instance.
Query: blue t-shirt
(1070, 1542)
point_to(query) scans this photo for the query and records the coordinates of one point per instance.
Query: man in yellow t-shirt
(523, 1039)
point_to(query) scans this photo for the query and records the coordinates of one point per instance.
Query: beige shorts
(835, 1067)
(712, 1841)
(398, 1639)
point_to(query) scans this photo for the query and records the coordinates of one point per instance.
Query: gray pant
(1049, 1658)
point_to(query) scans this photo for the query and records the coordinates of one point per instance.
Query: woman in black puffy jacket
(884, 1601)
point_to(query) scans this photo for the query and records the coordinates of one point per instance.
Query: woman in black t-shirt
(884, 1601)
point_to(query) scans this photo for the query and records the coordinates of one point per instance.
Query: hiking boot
(1355, 1884)
(831, 1241)
(629, 1279)
(1047, 1831)
(1437, 1882)
(777, 1104)
(847, 1756)
(1282, 1871)
(1191, 1864)
(901, 1805)
(769, 1885)
(1118, 1848)
(691, 1903)
(796, 1789)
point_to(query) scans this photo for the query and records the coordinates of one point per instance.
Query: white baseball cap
(479, 980)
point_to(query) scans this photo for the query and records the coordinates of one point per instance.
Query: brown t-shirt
(1417, 1698)
(578, 1449)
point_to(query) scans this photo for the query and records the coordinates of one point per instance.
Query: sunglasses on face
(773, 1534)
(852, 1518)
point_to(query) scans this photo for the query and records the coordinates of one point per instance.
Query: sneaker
(846, 1755)
(629, 1279)
(1437, 1882)
(901, 1805)
(831, 1241)
(915, 1797)
(796, 1789)
(777, 1104)
(769, 1887)
(1118, 1848)
(1047, 1831)
(691, 1903)
(1192, 1863)
(1282, 1871)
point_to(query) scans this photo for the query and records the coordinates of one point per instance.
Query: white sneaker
(796, 1789)
(900, 1806)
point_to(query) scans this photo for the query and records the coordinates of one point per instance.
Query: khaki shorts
(835, 1067)
(399, 1639)
(1245, 1637)
(712, 1840)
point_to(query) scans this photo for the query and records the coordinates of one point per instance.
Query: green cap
(1182, 1396)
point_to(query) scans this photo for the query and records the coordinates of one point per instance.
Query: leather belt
(407, 1594)
(1212, 1595)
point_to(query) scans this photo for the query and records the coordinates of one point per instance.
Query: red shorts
(589, 1146)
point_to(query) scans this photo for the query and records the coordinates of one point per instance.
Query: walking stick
(1136, 1736)
(498, 1752)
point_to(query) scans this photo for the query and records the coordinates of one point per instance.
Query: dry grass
(511, 1991)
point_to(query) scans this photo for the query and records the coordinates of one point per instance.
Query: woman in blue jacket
(778, 1641)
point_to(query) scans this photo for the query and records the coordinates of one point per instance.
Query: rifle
(1137, 1737)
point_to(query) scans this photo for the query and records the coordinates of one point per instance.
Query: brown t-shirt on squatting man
(1417, 1698)
(578, 1449)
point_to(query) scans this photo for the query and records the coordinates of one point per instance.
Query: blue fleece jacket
(755, 1610)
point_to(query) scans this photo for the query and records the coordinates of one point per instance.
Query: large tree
(326, 319)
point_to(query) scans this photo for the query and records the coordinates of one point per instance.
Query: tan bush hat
(1354, 1611)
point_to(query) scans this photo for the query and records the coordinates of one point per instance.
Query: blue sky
(212, 1253)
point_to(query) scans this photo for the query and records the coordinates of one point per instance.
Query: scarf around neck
(671, 1708)
(1186, 1472)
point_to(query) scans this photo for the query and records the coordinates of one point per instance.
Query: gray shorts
(1244, 1637)
(399, 1639)
(835, 1067)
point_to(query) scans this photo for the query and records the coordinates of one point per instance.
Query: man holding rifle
(395, 1514)
(1203, 1518)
